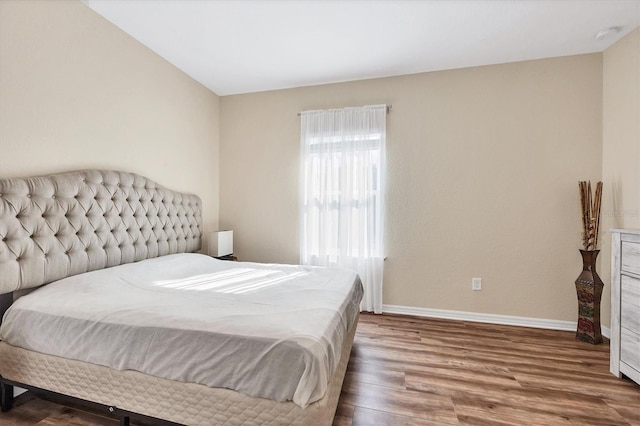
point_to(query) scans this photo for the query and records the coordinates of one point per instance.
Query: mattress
(268, 331)
(185, 403)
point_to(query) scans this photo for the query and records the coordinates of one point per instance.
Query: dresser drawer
(630, 257)
(630, 300)
(630, 348)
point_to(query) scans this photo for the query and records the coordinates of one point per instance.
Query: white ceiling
(246, 46)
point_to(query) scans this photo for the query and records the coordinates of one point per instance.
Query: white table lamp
(220, 243)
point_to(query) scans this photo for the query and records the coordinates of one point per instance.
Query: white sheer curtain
(342, 205)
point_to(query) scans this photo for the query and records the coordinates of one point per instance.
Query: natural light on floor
(236, 281)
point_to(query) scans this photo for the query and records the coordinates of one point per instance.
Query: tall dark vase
(589, 288)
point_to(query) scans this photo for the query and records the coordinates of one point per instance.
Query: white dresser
(625, 303)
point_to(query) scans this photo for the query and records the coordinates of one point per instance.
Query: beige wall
(483, 165)
(77, 92)
(621, 132)
(620, 147)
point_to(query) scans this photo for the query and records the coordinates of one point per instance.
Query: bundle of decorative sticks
(590, 214)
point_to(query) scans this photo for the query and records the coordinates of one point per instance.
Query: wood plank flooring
(420, 371)
(410, 371)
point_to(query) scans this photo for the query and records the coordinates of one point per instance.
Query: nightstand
(228, 257)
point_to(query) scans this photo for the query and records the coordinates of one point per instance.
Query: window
(342, 200)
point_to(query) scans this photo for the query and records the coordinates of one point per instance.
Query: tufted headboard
(55, 226)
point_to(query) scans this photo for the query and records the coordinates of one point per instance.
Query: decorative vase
(589, 288)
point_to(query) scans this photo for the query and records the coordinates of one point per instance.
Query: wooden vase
(589, 288)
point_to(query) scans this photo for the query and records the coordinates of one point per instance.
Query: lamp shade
(220, 243)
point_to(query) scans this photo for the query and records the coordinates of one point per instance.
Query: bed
(258, 344)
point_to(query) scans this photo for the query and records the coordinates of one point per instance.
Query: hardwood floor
(407, 370)
(420, 371)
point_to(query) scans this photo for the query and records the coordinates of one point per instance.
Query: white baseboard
(487, 318)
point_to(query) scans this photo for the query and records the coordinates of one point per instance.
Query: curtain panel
(342, 193)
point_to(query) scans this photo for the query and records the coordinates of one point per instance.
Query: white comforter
(271, 331)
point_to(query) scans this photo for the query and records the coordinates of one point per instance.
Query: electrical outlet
(476, 284)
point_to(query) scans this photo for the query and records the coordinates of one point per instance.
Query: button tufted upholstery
(55, 226)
